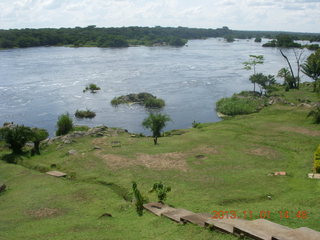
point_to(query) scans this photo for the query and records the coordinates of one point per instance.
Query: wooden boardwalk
(259, 229)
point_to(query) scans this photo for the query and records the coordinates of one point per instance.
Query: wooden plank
(177, 214)
(157, 208)
(224, 225)
(302, 233)
(56, 174)
(260, 229)
(198, 218)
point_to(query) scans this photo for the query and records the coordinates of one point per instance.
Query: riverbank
(219, 166)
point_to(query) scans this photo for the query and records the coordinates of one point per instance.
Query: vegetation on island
(145, 99)
(93, 88)
(84, 114)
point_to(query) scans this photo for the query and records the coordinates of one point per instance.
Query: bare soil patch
(301, 130)
(264, 151)
(44, 213)
(163, 161)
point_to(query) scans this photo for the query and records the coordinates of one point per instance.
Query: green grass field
(220, 166)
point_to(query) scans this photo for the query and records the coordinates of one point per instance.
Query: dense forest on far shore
(93, 36)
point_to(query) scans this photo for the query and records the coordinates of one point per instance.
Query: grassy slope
(239, 153)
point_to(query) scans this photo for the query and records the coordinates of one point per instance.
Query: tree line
(126, 36)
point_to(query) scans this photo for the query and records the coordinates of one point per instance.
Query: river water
(39, 84)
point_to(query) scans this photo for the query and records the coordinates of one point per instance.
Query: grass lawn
(220, 166)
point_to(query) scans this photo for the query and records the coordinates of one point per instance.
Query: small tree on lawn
(16, 137)
(316, 160)
(251, 64)
(38, 135)
(156, 122)
(139, 199)
(311, 68)
(161, 190)
(64, 124)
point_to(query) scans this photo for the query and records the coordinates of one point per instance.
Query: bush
(92, 87)
(84, 114)
(238, 106)
(315, 114)
(16, 137)
(154, 103)
(139, 199)
(316, 161)
(161, 190)
(195, 124)
(64, 124)
(38, 135)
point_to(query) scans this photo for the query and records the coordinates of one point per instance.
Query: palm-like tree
(311, 68)
(156, 122)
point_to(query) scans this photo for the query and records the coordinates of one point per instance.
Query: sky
(277, 15)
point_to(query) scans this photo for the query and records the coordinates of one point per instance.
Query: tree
(16, 137)
(156, 122)
(38, 135)
(251, 64)
(263, 81)
(161, 190)
(311, 68)
(64, 124)
(295, 80)
(289, 82)
(139, 199)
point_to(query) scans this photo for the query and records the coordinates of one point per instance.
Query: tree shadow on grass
(13, 158)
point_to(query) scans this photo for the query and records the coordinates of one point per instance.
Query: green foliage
(264, 82)
(311, 68)
(251, 64)
(64, 124)
(258, 39)
(112, 41)
(315, 114)
(161, 189)
(139, 199)
(84, 114)
(284, 41)
(154, 103)
(146, 99)
(92, 87)
(156, 122)
(16, 137)
(80, 128)
(38, 135)
(316, 160)
(229, 38)
(195, 124)
(239, 105)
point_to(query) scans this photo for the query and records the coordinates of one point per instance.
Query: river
(39, 84)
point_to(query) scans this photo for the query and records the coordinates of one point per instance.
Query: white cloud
(288, 15)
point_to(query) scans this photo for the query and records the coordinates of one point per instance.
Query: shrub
(16, 137)
(64, 124)
(92, 87)
(195, 124)
(154, 103)
(156, 122)
(139, 199)
(84, 114)
(315, 114)
(316, 160)
(161, 190)
(238, 106)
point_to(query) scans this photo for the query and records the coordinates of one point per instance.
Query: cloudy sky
(283, 15)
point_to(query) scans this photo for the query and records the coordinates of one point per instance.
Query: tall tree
(251, 64)
(311, 68)
(156, 122)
